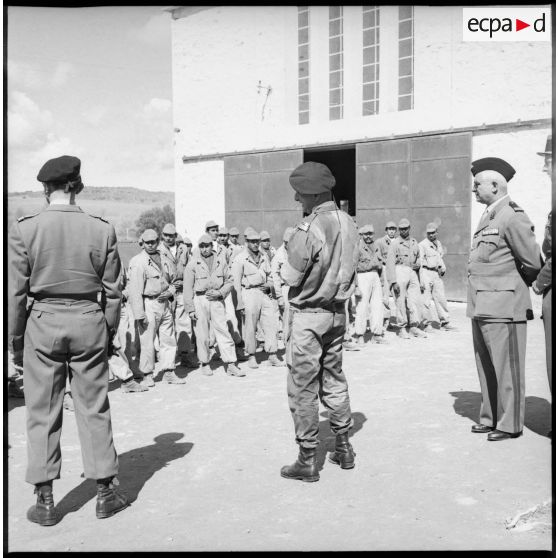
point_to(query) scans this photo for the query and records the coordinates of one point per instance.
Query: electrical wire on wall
(268, 92)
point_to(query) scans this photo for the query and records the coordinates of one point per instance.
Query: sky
(94, 83)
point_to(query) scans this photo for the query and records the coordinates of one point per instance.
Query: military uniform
(383, 245)
(322, 256)
(198, 279)
(147, 281)
(503, 262)
(369, 306)
(62, 258)
(403, 262)
(280, 287)
(431, 271)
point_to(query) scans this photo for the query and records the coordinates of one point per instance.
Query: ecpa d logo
(507, 24)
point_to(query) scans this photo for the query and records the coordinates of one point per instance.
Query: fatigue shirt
(248, 273)
(147, 279)
(235, 250)
(544, 279)
(322, 258)
(198, 278)
(432, 254)
(503, 262)
(276, 264)
(61, 252)
(383, 246)
(402, 252)
(269, 253)
(178, 262)
(370, 258)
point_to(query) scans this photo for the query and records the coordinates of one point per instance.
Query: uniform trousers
(232, 322)
(434, 291)
(315, 357)
(500, 356)
(161, 322)
(369, 306)
(285, 316)
(60, 335)
(212, 313)
(407, 302)
(385, 298)
(182, 327)
(548, 337)
(258, 308)
(119, 362)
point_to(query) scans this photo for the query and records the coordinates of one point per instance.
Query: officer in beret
(383, 245)
(322, 257)
(175, 256)
(503, 262)
(369, 307)
(432, 270)
(152, 291)
(543, 284)
(66, 261)
(403, 276)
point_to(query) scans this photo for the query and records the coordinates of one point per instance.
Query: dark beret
(312, 178)
(495, 164)
(61, 169)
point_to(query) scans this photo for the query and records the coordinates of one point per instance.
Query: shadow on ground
(137, 466)
(327, 438)
(538, 411)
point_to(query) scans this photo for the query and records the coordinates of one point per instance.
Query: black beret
(61, 169)
(495, 164)
(312, 178)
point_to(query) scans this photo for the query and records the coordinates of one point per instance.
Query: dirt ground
(201, 461)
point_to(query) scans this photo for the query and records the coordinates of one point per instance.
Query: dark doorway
(341, 163)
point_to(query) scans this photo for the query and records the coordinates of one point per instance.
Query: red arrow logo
(519, 25)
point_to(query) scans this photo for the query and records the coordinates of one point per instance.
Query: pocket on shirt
(495, 296)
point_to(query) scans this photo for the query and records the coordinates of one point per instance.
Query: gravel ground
(201, 461)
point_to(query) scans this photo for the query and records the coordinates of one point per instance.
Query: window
(335, 62)
(371, 60)
(406, 60)
(303, 64)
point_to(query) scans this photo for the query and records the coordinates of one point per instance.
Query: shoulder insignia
(304, 226)
(22, 218)
(490, 231)
(98, 217)
(515, 207)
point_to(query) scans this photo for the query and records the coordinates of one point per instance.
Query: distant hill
(120, 206)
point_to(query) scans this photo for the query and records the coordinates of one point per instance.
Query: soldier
(207, 282)
(383, 245)
(432, 270)
(151, 290)
(265, 245)
(503, 262)
(321, 272)
(369, 302)
(177, 257)
(543, 284)
(234, 245)
(252, 281)
(280, 287)
(223, 240)
(402, 269)
(63, 258)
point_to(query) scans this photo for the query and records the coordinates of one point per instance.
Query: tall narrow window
(371, 60)
(335, 62)
(406, 58)
(303, 64)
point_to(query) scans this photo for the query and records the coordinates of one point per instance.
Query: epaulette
(515, 207)
(23, 217)
(98, 217)
(305, 225)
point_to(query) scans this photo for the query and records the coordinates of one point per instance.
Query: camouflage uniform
(322, 256)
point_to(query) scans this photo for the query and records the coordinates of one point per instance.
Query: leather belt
(92, 297)
(430, 268)
(200, 293)
(150, 297)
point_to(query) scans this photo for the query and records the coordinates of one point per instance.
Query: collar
(492, 206)
(63, 207)
(326, 206)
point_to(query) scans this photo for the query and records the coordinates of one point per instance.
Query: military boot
(305, 468)
(344, 454)
(109, 499)
(252, 363)
(43, 512)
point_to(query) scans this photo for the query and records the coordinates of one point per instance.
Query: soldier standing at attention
(234, 245)
(432, 270)
(265, 245)
(176, 255)
(383, 245)
(207, 282)
(150, 290)
(543, 284)
(322, 257)
(402, 268)
(369, 304)
(252, 281)
(279, 285)
(504, 261)
(63, 258)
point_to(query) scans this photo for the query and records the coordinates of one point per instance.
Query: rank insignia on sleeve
(490, 231)
(304, 226)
